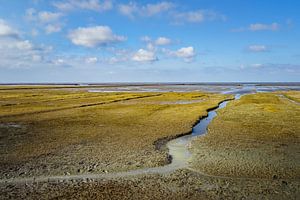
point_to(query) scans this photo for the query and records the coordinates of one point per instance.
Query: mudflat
(257, 136)
(251, 150)
(62, 132)
(181, 184)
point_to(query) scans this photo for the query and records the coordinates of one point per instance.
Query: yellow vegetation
(56, 131)
(256, 136)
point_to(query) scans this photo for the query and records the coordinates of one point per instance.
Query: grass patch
(256, 136)
(62, 131)
(293, 95)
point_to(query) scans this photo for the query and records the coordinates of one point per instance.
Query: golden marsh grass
(62, 131)
(256, 136)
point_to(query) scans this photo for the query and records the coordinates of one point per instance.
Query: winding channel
(178, 150)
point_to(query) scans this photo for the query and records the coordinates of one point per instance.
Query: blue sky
(149, 41)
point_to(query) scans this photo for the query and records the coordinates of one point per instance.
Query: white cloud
(46, 17)
(42, 17)
(91, 60)
(22, 45)
(162, 41)
(259, 27)
(16, 52)
(36, 58)
(169, 9)
(132, 9)
(150, 46)
(49, 21)
(193, 16)
(80, 61)
(153, 9)
(59, 61)
(264, 27)
(53, 28)
(94, 5)
(6, 30)
(187, 53)
(16, 45)
(129, 9)
(143, 55)
(94, 36)
(146, 39)
(197, 16)
(258, 48)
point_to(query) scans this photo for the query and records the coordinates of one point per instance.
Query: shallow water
(10, 125)
(201, 127)
(178, 148)
(242, 88)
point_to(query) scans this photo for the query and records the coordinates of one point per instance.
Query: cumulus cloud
(16, 52)
(143, 55)
(153, 44)
(162, 41)
(146, 39)
(53, 28)
(258, 48)
(6, 30)
(197, 16)
(153, 9)
(23, 45)
(259, 27)
(49, 21)
(16, 44)
(187, 53)
(43, 17)
(129, 9)
(94, 36)
(132, 9)
(46, 17)
(10, 38)
(95, 5)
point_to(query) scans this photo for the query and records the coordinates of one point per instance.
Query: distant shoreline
(157, 83)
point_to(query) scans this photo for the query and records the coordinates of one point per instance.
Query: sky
(149, 41)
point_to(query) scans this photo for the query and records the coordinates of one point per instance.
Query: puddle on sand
(10, 125)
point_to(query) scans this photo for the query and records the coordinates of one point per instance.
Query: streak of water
(178, 150)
